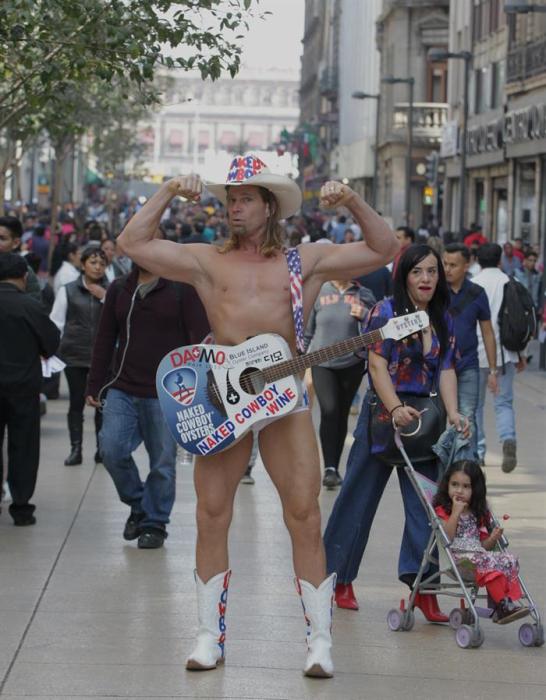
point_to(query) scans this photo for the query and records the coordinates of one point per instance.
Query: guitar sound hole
(252, 380)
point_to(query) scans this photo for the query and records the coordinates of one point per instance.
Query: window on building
(482, 87)
(204, 139)
(476, 22)
(256, 139)
(228, 139)
(498, 78)
(437, 82)
(175, 141)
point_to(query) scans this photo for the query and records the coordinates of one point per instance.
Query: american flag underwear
(293, 259)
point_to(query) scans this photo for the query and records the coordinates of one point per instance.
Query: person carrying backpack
(512, 335)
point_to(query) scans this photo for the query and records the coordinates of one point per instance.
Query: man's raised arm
(139, 241)
(348, 260)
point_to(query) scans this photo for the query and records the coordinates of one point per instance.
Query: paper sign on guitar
(212, 395)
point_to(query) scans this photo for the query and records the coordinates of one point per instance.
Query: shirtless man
(246, 291)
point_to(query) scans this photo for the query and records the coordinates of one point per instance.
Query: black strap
(473, 292)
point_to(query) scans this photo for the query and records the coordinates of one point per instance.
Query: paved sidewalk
(84, 614)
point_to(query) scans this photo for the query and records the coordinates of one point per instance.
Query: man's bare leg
(216, 479)
(290, 454)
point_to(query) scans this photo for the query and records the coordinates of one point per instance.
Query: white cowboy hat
(250, 170)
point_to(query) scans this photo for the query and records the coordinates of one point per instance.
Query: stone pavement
(84, 614)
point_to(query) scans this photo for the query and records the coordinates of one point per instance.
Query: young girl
(461, 503)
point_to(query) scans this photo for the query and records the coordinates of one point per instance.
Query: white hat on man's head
(250, 170)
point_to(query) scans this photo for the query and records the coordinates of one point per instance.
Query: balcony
(428, 121)
(526, 61)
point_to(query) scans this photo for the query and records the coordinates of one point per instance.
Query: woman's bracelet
(400, 405)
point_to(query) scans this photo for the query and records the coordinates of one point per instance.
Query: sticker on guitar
(212, 395)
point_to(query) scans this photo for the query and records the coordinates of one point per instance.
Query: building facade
(202, 123)
(525, 126)
(479, 27)
(318, 130)
(506, 135)
(353, 159)
(405, 33)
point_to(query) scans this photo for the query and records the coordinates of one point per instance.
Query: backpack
(517, 317)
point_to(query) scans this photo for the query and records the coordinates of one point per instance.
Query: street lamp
(410, 82)
(359, 95)
(442, 55)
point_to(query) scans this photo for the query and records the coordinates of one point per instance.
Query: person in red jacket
(475, 237)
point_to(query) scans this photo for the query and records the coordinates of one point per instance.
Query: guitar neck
(317, 357)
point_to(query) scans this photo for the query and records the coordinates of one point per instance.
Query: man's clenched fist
(335, 194)
(187, 186)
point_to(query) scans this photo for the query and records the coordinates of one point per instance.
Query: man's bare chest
(236, 278)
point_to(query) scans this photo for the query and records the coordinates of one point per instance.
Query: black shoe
(132, 527)
(507, 611)
(23, 520)
(151, 538)
(22, 514)
(331, 478)
(98, 457)
(509, 459)
(75, 456)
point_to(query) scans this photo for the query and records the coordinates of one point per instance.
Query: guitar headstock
(401, 326)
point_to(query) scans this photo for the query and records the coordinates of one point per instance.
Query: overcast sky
(275, 42)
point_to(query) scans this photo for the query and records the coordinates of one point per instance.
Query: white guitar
(211, 395)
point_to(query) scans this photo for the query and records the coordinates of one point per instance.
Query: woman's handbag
(419, 436)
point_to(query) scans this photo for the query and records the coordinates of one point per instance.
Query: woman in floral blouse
(409, 365)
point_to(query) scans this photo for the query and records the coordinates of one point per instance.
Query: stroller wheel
(394, 619)
(456, 618)
(531, 635)
(463, 636)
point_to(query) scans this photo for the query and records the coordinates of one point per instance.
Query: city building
(201, 123)
(524, 129)
(477, 26)
(317, 134)
(405, 33)
(353, 159)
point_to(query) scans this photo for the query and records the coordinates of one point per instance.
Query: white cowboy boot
(317, 609)
(211, 610)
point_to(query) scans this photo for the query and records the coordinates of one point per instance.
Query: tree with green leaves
(47, 44)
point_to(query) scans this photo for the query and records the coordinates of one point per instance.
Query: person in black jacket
(76, 313)
(26, 334)
(144, 318)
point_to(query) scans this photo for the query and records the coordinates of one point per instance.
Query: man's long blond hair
(273, 241)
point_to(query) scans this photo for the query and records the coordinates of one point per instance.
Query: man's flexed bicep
(348, 260)
(342, 261)
(140, 240)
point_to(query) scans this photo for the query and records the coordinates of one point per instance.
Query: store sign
(519, 126)
(485, 138)
(525, 124)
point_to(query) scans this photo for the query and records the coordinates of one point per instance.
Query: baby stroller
(465, 620)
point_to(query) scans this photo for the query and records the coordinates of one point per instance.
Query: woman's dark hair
(68, 248)
(439, 303)
(478, 500)
(91, 250)
(14, 226)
